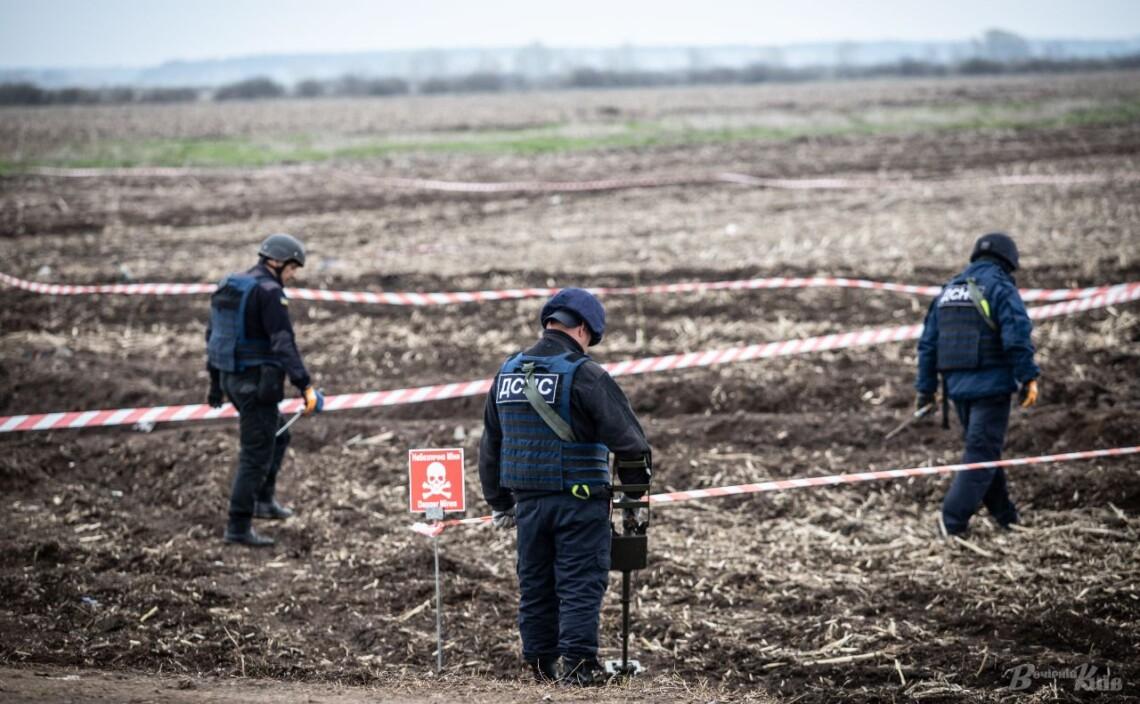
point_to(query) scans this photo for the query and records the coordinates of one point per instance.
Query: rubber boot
(545, 669)
(271, 510)
(249, 537)
(583, 672)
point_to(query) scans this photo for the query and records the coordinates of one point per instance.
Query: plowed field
(111, 551)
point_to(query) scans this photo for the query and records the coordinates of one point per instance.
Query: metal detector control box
(629, 550)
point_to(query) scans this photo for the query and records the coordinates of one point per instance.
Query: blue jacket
(267, 320)
(976, 360)
(599, 413)
(532, 456)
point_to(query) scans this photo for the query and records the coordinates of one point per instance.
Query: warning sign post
(435, 481)
(435, 487)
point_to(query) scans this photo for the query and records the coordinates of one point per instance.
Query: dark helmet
(997, 244)
(574, 306)
(283, 248)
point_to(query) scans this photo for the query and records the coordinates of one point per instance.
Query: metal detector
(291, 421)
(629, 551)
(920, 413)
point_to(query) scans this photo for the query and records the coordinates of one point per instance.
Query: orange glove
(314, 400)
(1028, 395)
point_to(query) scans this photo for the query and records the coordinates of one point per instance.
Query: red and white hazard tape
(372, 399)
(801, 482)
(791, 184)
(609, 184)
(434, 529)
(1027, 294)
(125, 289)
(605, 184)
(413, 298)
(860, 338)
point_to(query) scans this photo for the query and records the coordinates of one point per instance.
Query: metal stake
(435, 514)
(438, 611)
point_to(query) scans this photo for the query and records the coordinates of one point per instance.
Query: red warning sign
(435, 479)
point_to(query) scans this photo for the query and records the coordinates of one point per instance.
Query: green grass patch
(178, 152)
(1119, 113)
(296, 148)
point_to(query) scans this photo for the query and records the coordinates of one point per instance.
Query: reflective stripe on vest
(229, 349)
(533, 457)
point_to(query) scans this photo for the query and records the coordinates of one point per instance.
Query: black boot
(249, 538)
(271, 509)
(545, 669)
(583, 672)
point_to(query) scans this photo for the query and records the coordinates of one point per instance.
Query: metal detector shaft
(915, 416)
(289, 422)
(625, 621)
(629, 551)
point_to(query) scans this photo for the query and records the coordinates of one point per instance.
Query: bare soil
(53, 684)
(112, 568)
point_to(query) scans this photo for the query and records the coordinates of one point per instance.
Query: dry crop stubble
(644, 230)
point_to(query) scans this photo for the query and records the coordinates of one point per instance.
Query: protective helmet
(574, 306)
(997, 244)
(283, 248)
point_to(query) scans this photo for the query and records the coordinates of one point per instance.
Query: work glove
(214, 397)
(922, 400)
(1028, 394)
(503, 520)
(314, 400)
(635, 521)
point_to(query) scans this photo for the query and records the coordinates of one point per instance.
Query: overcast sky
(129, 33)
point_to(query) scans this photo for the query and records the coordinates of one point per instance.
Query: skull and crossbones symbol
(437, 483)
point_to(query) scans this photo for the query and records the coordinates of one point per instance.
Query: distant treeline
(486, 82)
(29, 94)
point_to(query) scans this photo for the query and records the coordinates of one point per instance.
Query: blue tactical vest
(533, 457)
(229, 348)
(965, 339)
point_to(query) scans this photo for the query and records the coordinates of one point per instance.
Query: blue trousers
(563, 570)
(261, 449)
(984, 422)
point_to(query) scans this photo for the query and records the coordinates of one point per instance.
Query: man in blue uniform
(977, 335)
(250, 350)
(551, 419)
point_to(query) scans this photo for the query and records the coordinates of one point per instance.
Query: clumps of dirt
(110, 550)
(801, 593)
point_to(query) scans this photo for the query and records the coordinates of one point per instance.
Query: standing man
(977, 335)
(250, 350)
(551, 419)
